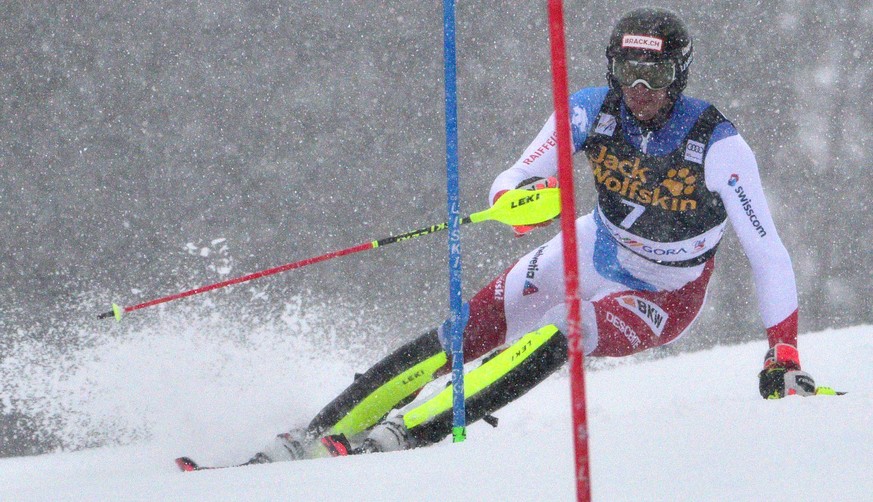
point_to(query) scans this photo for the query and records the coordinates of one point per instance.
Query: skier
(670, 172)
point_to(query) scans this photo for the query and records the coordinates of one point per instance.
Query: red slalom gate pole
(571, 264)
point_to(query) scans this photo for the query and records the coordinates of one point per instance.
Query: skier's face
(645, 103)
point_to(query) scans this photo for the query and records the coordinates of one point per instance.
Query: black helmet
(651, 35)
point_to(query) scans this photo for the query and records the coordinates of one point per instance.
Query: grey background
(289, 129)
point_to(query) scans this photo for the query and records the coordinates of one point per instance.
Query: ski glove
(782, 376)
(535, 183)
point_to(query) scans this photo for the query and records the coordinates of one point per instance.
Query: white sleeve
(732, 171)
(539, 159)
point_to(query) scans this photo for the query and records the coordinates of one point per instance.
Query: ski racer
(670, 172)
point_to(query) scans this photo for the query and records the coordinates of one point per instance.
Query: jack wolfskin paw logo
(680, 182)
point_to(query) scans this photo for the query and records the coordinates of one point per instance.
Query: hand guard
(535, 183)
(782, 376)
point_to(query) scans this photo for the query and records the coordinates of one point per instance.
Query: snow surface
(690, 427)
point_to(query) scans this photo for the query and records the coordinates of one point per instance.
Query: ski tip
(186, 464)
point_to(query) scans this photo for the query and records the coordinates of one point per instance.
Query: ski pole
(515, 207)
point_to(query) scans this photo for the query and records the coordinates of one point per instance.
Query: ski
(335, 446)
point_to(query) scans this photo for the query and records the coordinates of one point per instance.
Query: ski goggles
(653, 74)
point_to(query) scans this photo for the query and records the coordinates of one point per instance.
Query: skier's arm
(539, 160)
(732, 172)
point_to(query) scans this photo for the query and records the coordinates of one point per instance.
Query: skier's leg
(631, 321)
(503, 376)
(382, 388)
(535, 287)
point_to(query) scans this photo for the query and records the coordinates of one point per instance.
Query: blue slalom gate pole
(457, 320)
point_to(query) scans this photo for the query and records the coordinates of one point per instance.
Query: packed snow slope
(690, 427)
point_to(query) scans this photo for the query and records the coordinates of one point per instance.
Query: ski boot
(390, 435)
(287, 446)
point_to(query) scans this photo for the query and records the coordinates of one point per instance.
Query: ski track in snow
(690, 427)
